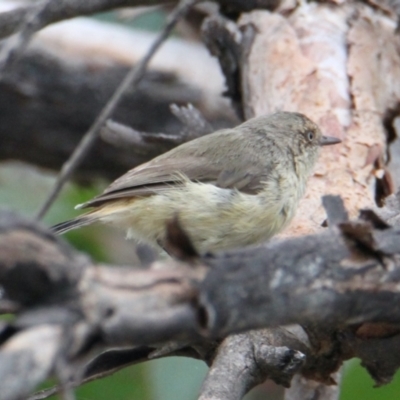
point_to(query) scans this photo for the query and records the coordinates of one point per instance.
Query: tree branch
(44, 91)
(60, 10)
(13, 48)
(29, 354)
(230, 44)
(246, 360)
(337, 284)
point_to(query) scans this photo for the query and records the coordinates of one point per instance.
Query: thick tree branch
(43, 91)
(337, 284)
(15, 46)
(60, 10)
(276, 282)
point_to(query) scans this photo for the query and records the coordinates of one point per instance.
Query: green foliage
(358, 385)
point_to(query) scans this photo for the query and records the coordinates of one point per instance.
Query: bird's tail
(82, 220)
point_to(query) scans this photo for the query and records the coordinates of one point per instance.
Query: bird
(230, 189)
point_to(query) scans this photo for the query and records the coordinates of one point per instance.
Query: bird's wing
(184, 162)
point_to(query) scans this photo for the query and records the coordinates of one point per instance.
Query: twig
(131, 80)
(120, 135)
(16, 45)
(194, 123)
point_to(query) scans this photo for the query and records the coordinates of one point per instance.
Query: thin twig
(13, 48)
(131, 80)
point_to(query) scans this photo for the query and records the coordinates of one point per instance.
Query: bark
(340, 280)
(342, 80)
(336, 65)
(345, 58)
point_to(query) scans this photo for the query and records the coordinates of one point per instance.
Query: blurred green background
(23, 188)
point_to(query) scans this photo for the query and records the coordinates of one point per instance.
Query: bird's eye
(310, 135)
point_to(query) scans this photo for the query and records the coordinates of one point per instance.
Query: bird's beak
(328, 140)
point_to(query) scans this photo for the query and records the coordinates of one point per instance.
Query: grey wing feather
(245, 173)
(147, 179)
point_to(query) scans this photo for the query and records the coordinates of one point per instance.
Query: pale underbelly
(214, 218)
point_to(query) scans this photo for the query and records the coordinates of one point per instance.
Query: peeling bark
(343, 80)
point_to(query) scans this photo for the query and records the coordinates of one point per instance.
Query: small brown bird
(231, 188)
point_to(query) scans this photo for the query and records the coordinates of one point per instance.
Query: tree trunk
(338, 64)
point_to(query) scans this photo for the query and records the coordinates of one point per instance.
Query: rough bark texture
(333, 283)
(331, 64)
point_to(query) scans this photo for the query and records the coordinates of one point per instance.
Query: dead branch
(45, 89)
(10, 21)
(12, 50)
(223, 39)
(336, 284)
(194, 125)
